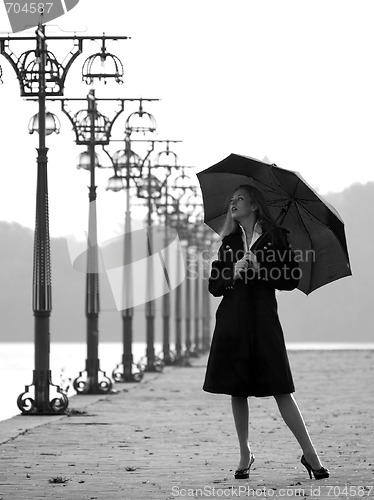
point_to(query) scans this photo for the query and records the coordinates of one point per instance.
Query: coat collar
(234, 240)
(240, 233)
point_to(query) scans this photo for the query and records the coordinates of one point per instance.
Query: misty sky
(290, 80)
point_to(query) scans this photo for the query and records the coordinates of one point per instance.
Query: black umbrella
(316, 231)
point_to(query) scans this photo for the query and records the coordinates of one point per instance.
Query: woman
(248, 355)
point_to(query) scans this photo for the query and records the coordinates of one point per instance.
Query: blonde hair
(263, 215)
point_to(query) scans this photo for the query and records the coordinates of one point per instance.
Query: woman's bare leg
(240, 411)
(292, 416)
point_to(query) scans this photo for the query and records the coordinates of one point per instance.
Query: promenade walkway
(165, 438)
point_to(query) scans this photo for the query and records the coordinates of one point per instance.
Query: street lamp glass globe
(141, 122)
(102, 66)
(52, 124)
(84, 160)
(115, 184)
(166, 159)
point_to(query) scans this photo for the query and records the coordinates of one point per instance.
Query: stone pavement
(165, 438)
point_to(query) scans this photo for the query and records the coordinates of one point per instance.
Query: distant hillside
(68, 321)
(341, 311)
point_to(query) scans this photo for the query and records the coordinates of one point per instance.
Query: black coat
(248, 355)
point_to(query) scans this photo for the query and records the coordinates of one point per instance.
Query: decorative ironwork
(170, 357)
(126, 158)
(83, 127)
(27, 67)
(94, 382)
(42, 293)
(92, 128)
(34, 405)
(89, 124)
(182, 187)
(159, 160)
(96, 66)
(157, 364)
(149, 187)
(125, 373)
(41, 76)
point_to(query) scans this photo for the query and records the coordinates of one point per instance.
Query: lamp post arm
(11, 58)
(78, 46)
(120, 101)
(109, 156)
(147, 156)
(66, 112)
(116, 115)
(75, 37)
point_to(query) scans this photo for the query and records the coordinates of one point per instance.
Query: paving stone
(165, 438)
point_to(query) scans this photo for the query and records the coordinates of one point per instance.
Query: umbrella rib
(264, 186)
(343, 247)
(302, 223)
(280, 183)
(312, 216)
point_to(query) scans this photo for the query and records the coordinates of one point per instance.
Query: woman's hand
(241, 265)
(248, 260)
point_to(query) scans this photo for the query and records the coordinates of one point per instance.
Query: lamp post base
(155, 364)
(91, 383)
(37, 402)
(182, 359)
(168, 356)
(126, 373)
(195, 352)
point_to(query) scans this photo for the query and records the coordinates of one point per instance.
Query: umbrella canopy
(316, 231)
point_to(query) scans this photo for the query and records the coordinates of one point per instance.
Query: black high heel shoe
(321, 473)
(244, 473)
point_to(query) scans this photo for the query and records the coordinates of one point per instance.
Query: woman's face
(241, 205)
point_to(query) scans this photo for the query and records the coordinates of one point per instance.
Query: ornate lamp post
(40, 76)
(175, 222)
(201, 241)
(195, 207)
(152, 192)
(190, 262)
(129, 161)
(182, 189)
(204, 235)
(92, 128)
(166, 207)
(188, 340)
(198, 309)
(168, 356)
(139, 122)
